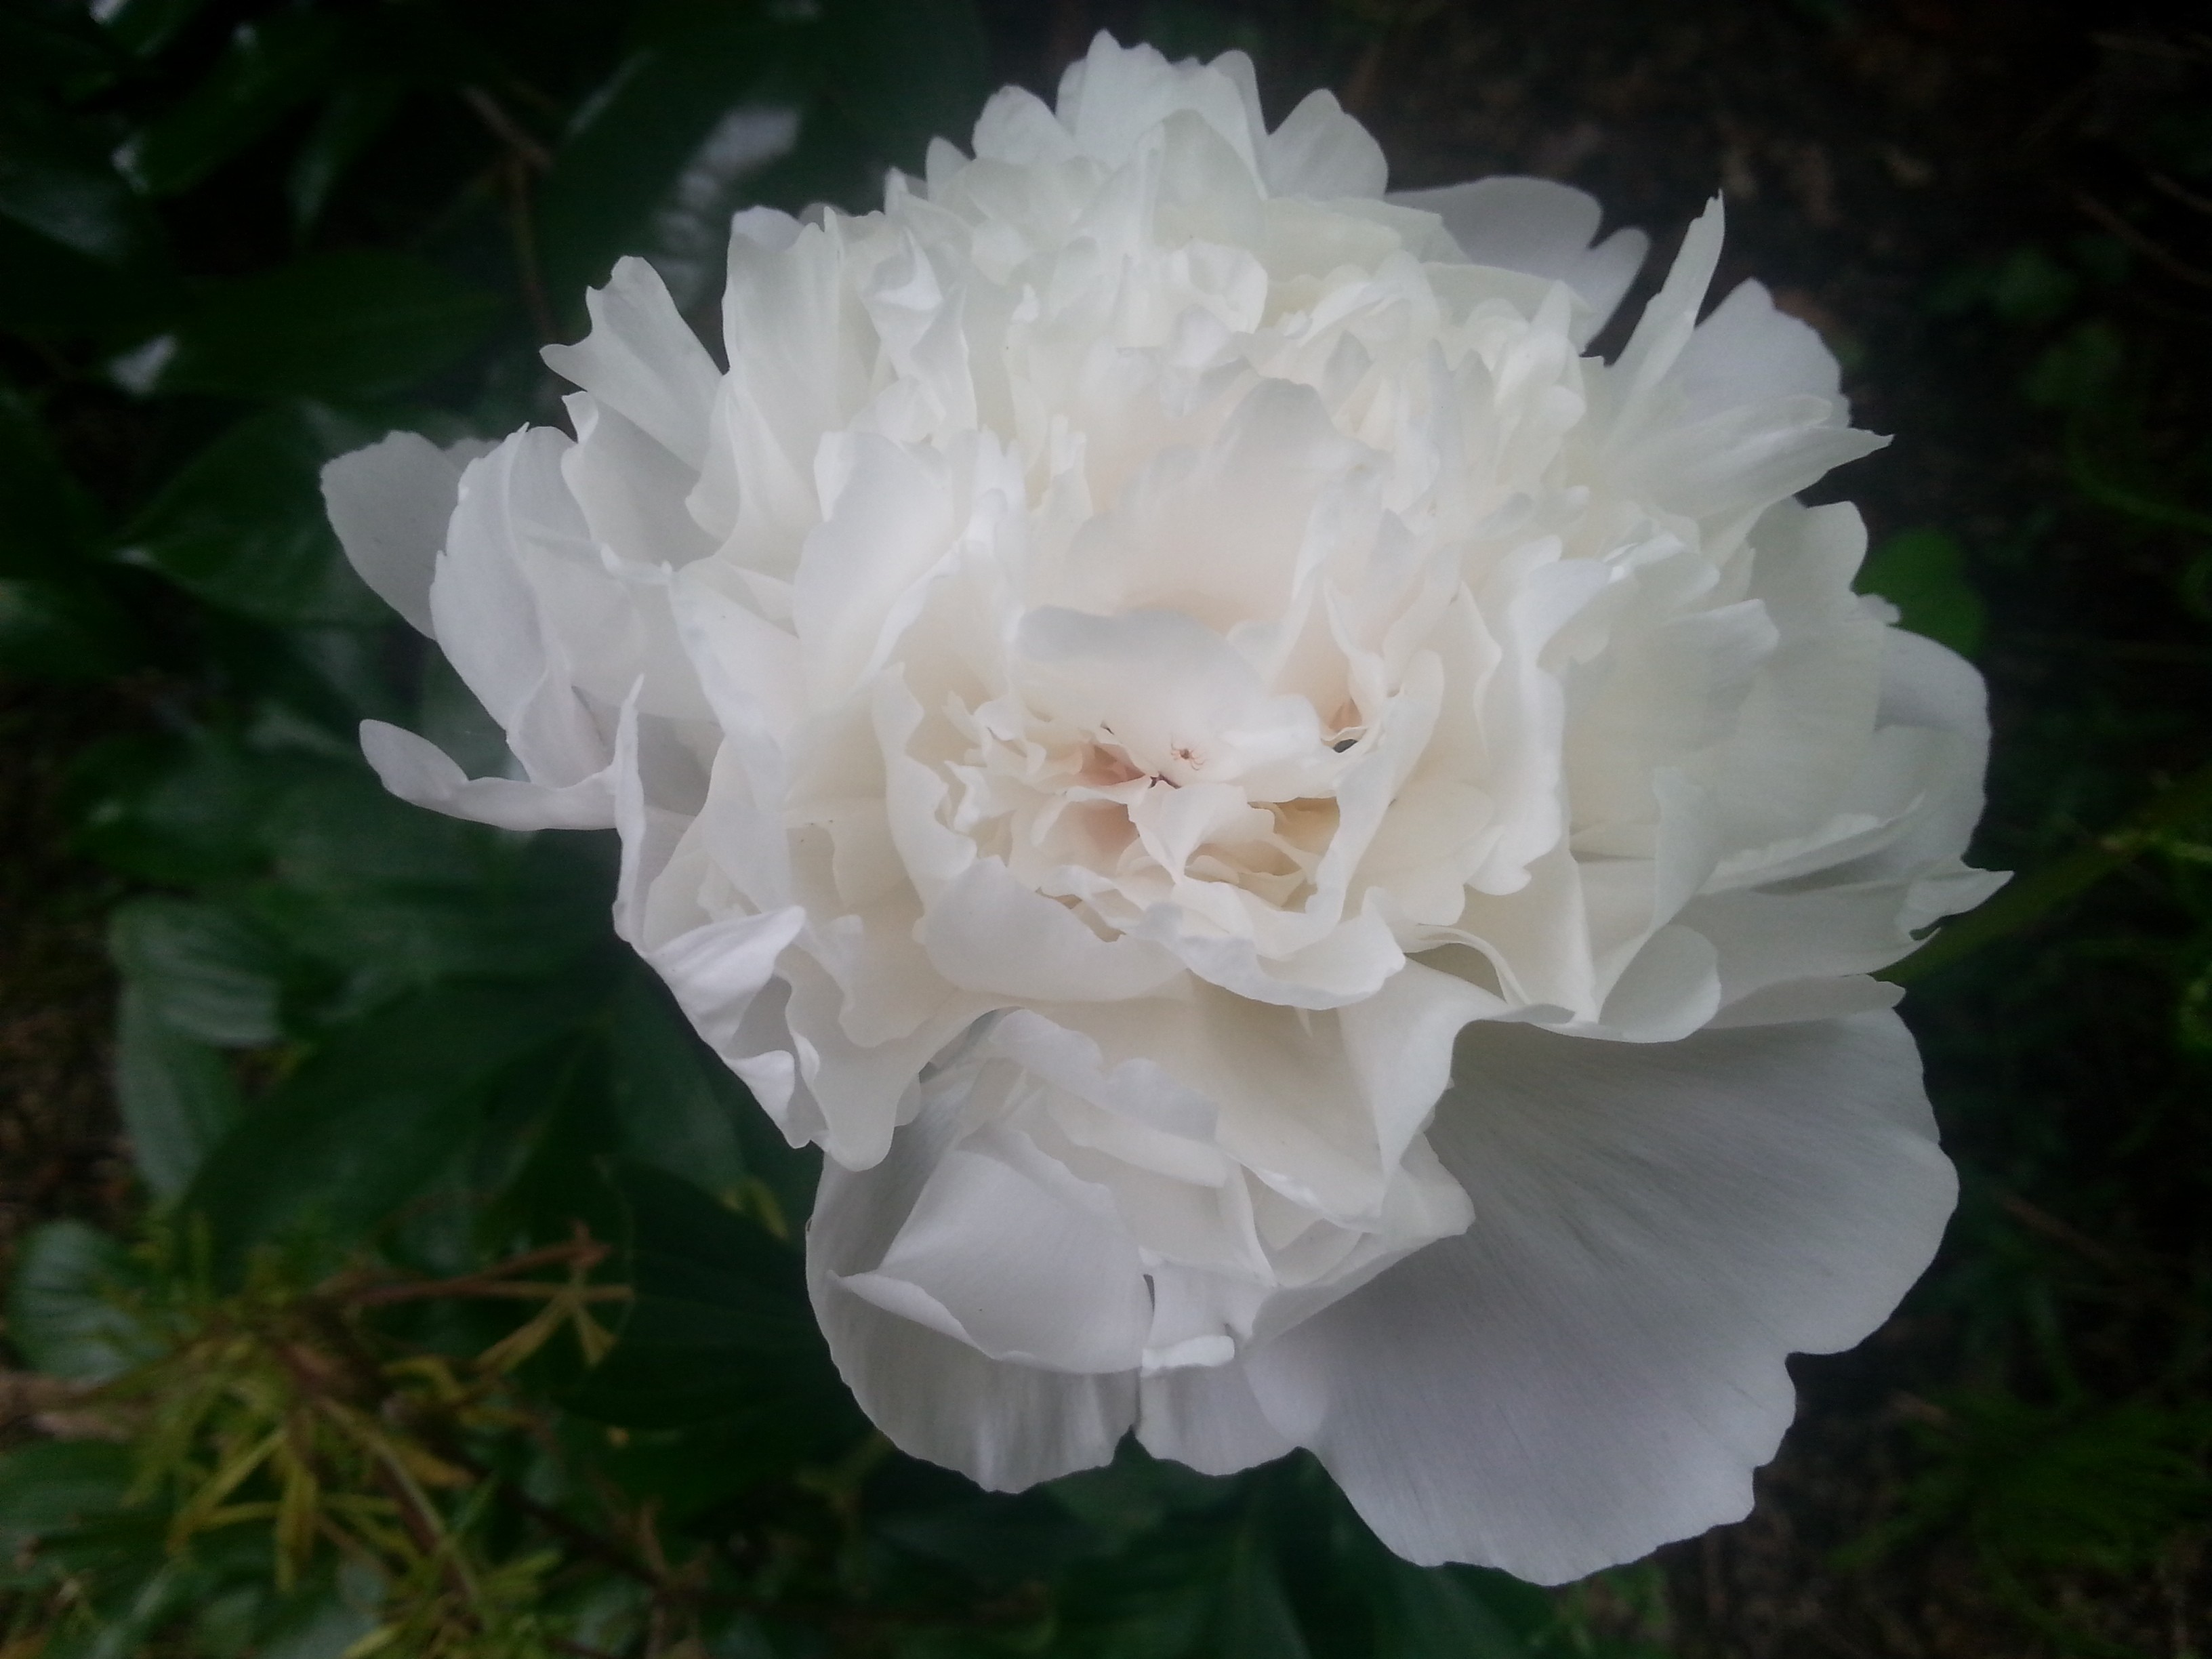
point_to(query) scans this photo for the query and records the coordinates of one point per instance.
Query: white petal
(1542, 229)
(1320, 152)
(1205, 1416)
(988, 934)
(1929, 685)
(1664, 331)
(1747, 352)
(1012, 1255)
(1595, 1366)
(1003, 1426)
(643, 361)
(418, 771)
(389, 504)
(515, 523)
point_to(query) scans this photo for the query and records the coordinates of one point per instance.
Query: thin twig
(583, 1253)
(2162, 258)
(509, 131)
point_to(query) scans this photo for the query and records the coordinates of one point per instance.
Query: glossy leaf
(51, 291)
(676, 1105)
(1253, 1618)
(633, 138)
(1432, 1610)
(271, 66)
(349, 123)
(907, 72)
(241, 524)
(45, 517)
(66, 1312)
(52, 187)
(355, 324)
(720, 1325)
(177, 1095)
(66, 631)
(200, 969)
(352, 1135)
(1923, 574)
(179, 809)
(144, 26)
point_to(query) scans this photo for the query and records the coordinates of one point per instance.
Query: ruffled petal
(1595, 1366)
(643, 361)
(418, 771)
(389, 504)
(1207, 1417)
(1003, 1425)
(1541, 229)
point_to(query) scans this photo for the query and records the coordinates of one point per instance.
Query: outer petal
(389, 504)
(1541, 228)
(418, 771)
(1205, 1416)
(1595, 1366)
(1320, 152)
(1003, 1425)
(643, 361)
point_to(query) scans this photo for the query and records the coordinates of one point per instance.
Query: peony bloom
(1310, 853)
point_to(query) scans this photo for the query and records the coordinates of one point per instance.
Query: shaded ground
(58, 1133)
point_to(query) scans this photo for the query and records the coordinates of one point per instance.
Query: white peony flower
(1310, 853)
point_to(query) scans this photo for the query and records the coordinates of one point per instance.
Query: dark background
(1998, 215)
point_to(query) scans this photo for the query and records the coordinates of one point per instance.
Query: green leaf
(349, 123)
(46, 519)
(1435, 1610)
(50, 292)
(65, 1309)
(50, 1485)
(720, 1325)
(634, 137)
(906, 71)
(995, 1538)
(272, 64)
(62, 631)
(144, 26)
(178, 810)
(177, 1095)
(356, 324)
(324, 1620)
(1253, 1619)
(331, 1152)
(1923, 574)
(53, 52)
(48, 185)
(676, 1106)
(204, 970)
(241, 524)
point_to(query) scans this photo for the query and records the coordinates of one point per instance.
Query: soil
(61, 1151)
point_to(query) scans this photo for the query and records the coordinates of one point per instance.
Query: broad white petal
(1542, 229)
(1747, 352)
(1320, 152)
(643, 361)
(1008, 1252)
(1595, 1366)
(1005, 1427)
(1205, 1416)
(389, 504)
